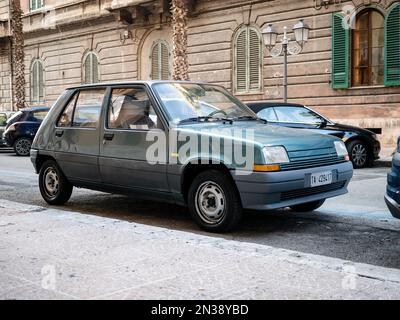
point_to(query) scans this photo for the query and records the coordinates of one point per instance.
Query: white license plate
(321, 179)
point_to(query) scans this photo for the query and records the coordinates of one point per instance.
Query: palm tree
(179, 10)
(18, 54)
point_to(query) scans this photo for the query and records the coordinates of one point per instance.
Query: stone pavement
(53, 254)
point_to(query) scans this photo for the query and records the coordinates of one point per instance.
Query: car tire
(359, 154)
(54, 186)
(22, 147)
(214, 202)
(308, 207)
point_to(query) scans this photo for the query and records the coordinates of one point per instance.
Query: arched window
(91, 68)
(160, 61)
(368, 49)
(37, 82)
(248, 60)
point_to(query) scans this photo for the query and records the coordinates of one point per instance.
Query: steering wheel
(216, 112)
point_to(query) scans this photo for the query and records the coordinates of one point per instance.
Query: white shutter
(254, 60)
(248, 60)
(241, 61)
(164, 62)
(155, 62)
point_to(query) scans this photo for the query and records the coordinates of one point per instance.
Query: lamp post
(301, 32)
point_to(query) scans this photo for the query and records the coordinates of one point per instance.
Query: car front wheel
(359, 154)
(54, 186)
(214, 202)
(308, 207)
(22, 147)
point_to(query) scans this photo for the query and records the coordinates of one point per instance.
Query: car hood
(264, 135)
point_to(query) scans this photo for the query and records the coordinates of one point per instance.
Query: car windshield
(189, 102)
(298, 115)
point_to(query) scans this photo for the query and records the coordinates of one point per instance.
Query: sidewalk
(52, 254)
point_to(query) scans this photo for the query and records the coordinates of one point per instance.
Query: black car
(393, 189)
(21, 129)
(4, 116)
(362, 144)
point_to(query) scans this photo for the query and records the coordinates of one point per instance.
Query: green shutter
(392, 47)
(340, 53)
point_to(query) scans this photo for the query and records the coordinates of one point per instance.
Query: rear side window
(40, 115)
(83, 110)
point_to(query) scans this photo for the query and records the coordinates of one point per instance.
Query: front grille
(300, 193)
(311, 163)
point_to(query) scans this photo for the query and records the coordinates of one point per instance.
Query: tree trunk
(179, 27)
(18, 55)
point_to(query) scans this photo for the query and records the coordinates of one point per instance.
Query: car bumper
(393, 206)
(275, 190)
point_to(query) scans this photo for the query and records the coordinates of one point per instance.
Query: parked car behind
(21, 129)
(4, 116)
(393, 189)
(99, 137)
(362, 144)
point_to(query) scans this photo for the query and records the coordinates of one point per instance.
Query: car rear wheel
(308, 207)
(359, 154)
(214, 202)
(54, 186)
(22, 147)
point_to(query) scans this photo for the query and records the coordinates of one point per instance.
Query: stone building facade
(77, 41)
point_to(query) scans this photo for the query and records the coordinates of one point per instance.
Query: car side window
(83, 110)
(88, 108)
(297, 115)
(3, 119)
(131, 109)
(66, 117)
(40, 115)
(268, 114)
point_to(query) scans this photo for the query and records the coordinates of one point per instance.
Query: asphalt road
(355, 227)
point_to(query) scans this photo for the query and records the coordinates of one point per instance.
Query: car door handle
(108, 136)
(59, 133)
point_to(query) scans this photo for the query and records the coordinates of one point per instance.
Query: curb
(383, 164)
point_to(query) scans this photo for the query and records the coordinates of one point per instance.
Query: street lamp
(270, 35)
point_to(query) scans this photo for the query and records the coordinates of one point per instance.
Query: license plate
(321, 179)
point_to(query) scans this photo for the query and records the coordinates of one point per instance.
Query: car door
(77, 135)
(130, 117)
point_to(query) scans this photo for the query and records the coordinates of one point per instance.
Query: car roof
(130, 83)
(39, 108)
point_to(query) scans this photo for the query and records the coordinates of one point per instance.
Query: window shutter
(254, 60)
(34, 82)
(155, 62)
(88, 76)
(340, 53)
(95, 69)
(392, 47)
(164, 62)
(40, 82)
(241, 62)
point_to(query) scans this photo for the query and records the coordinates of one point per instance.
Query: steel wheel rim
(51, 182)
(359, 154)
(211, 203)
(23, 146)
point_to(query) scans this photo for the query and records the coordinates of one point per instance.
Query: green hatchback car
(187, 143)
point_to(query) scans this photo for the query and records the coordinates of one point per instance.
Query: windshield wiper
(205, 119)
(249, 118)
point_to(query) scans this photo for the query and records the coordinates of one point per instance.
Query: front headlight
(275, 155)
(341, 149)
(12, 128)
